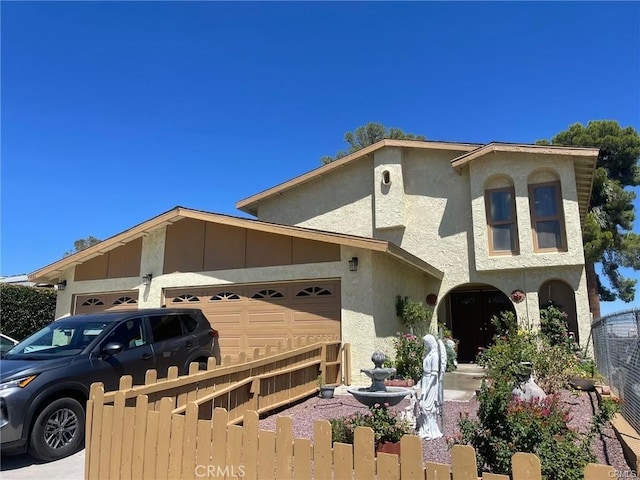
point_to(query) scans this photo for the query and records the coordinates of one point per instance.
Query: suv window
(164, 327)
(129, 334)
(189, 322)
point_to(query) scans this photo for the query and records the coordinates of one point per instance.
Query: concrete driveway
(24, 467)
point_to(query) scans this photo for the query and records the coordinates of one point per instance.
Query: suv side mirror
(112, 348)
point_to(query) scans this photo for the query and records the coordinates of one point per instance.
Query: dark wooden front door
(471, 314)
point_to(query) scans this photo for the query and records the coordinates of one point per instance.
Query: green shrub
(25, 310)
(504, 359)
(414, 315)
(409, 352)
(507, 425)
(387, 426)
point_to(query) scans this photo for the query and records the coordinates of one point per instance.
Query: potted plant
(585, 376)
(326, 391)
(388, 428)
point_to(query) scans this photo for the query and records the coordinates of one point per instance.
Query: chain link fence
(616, 346)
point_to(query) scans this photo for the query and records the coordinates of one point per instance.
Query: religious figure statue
(434, 366)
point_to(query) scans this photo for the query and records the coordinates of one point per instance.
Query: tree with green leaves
(369, 134)
(607, 235)
(82, 244)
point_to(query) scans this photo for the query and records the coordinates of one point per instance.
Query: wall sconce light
(62, 285)
(146, 280)
(353, 264)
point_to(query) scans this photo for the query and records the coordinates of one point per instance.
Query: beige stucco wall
(445, 225)
(519, 169)
(334, 202)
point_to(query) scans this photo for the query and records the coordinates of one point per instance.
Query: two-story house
(458, 226)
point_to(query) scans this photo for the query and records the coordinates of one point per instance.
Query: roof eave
(250, 204)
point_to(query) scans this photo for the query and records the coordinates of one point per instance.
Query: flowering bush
(387, 426)
(409, 352)
(507, 425)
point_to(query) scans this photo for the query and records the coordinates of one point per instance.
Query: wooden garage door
(250, 316)
(99, 302)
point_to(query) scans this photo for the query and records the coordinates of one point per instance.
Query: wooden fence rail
(133, 442)
(264, 381)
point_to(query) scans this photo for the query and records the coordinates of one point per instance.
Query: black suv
(45, 379)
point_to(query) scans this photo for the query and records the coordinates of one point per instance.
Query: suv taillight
(214, 333)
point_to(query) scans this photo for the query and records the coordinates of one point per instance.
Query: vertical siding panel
(203, 444)
(597, 472)
(284, 447)
(127, 443)
(463, 463)
(266, 454)
(342, 460)
(437, 471)
(322, 449)
(116, 435)
(150, 445)
(92, 462)
(302, 459)
(526, 466)
(493, 476)
(219, 437)
(234, 451)
(190, 437)
(164, 438)
(250, 444)
(105, 439)
(176, 446)
(139, 436)
(388, 467)
(364, 454)
(411, 464)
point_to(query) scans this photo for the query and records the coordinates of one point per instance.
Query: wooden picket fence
(134, 442)
(266, 380)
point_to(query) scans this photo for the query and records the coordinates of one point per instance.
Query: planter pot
(399, 383)
(586, 384)
(327, 391)
(389, 447)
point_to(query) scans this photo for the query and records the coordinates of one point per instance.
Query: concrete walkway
(459, 385)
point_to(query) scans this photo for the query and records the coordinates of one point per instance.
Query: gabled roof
(53, 271)
(250, 204)
(584, 159)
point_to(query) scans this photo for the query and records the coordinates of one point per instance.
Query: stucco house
(460, 226)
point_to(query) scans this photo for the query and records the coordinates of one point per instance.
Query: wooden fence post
(525, 466)
(322, 457)
(463, 463)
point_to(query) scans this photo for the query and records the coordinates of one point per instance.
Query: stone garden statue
(430, 401)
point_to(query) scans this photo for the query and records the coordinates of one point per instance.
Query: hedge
(25, 310)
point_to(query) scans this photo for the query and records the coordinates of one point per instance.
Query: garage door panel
(267, 319)
(218, 320)
(266, 340)
(256, 316)
(100, 302)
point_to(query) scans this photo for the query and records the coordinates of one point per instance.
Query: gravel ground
(607, 448)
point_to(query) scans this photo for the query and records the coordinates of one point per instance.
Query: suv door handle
(189, 344)
(146, 356)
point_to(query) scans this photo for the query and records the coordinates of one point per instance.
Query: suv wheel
(58, 430)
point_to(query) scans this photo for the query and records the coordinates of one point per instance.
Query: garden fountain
(378, 392)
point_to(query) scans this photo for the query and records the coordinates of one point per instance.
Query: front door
(471, 313)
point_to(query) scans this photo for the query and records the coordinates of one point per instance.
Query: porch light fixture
(146, 280)
(62, 285)
(353, 264)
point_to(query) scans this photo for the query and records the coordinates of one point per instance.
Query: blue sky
(114, 112)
